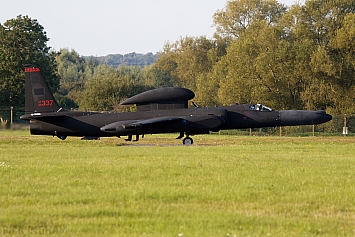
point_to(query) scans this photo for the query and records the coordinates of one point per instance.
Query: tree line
(130, 59)
(297, 57)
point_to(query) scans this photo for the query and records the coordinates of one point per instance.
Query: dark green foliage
(96, 86)
(293, 58)
(109, 86)
(184, 61)
(65, 102)
(23, 40)
(158, 77)
(74, 71)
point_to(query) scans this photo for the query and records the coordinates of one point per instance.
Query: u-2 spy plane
(162, 110)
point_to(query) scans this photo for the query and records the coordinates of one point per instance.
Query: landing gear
(181, 135)
(187, 141)
(129, 138)
(135, 140)
(62, 137)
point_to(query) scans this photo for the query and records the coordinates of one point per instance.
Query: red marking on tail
(32, 69)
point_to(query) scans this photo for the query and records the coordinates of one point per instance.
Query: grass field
(222, 186)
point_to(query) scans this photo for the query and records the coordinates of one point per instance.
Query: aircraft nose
(323, 117)
(328, 117)
(303, 117)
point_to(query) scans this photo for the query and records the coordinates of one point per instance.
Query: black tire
(187, 141)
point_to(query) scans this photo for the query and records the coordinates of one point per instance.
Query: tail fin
(38, 96)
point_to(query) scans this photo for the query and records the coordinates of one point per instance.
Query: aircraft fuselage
(233, 117)
(161, 110)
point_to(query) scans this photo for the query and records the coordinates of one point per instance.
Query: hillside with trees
(130, 59)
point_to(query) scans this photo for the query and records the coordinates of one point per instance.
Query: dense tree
(74, 71)
(107, 88)
(70, 65)
(95, 86)
(330, 77)
(236, 17)
(295, 58)
(187, 59)
(155, 76)
(342, 51)
(71, 68)
(23, 40)
(254, 67)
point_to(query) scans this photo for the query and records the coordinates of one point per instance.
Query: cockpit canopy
(259, 107)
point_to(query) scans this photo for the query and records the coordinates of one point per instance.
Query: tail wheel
(187, 141)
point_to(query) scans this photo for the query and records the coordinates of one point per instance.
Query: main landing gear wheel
(62, 137)
(187, 141)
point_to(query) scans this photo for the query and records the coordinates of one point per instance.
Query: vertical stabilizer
(39, 98)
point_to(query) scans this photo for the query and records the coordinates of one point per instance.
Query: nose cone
(303, 117)
(328, 117)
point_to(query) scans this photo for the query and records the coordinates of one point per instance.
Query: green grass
(222, 186)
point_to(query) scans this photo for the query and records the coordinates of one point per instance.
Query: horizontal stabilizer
(40, 116)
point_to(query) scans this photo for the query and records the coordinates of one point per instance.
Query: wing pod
(161, 99)
(118, 127)
(167, 94)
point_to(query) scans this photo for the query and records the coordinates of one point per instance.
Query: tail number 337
(43, 103)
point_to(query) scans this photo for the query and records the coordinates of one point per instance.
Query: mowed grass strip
(222, 186)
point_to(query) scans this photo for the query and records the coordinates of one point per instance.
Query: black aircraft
(163, 110)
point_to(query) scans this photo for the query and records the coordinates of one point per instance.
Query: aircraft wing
(171, 123)
(125, 126)
(204, 121)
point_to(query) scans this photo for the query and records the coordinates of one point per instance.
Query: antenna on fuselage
(196, 105)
